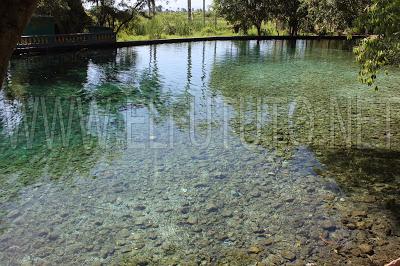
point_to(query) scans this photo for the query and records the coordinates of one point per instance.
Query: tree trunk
(149, 7)
(293, 26)
(14, 16)
(204, 13)
(189, 10)
(258, 29)
(153, 2)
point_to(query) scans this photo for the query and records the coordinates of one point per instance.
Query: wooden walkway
(42, 43)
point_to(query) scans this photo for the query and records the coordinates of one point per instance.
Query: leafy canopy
(383, 47)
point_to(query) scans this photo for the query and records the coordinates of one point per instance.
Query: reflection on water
(199, 153)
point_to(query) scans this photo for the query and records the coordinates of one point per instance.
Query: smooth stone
(106, 251)
(235, 193)
(366, 249)
(363, 225)
(140, 208)
(124, 233)
(219, 176)
(121, 242)
(351, 226)
(152, 236)
(227, 213)
(267, 242)
(289, 255)
(255, 194)
(289, 200)
(126, 249)
(138, 245)
(329, 197)
(359, 214)
(368, 199)
(211, 207)
(192, 220)
(254, 250)
(328, 225)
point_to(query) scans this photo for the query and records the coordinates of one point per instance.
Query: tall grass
(176, 25)
(173, 25)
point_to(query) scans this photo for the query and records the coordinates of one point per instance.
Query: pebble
(254, 250)
(192, 220)
(351, 226)
(289, 255)
(328, 225)
(329, 197)
(227, 213)
(267, 242)
(140, 208)
(152, 236)
(106, 251)
(138, 245)
(124, 233)
(211, 207)
(366, 249)
(358, 213)
(125, 249)
(255, 194)
(235, 193)
(368, 199)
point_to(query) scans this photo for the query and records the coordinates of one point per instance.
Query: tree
(14, 16)
(151, 4)
(382, 48)
(293, 13)
(204, 12)
(69, 15)
(189, 10)
(324, 16)
(244, 14)
(117, 14)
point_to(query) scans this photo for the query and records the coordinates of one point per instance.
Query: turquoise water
(207, 153)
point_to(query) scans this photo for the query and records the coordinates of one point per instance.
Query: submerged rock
(288, 255)
(192, 220)
(357, 213)
(211, 207)
(254, 250)
(328, 225)
(366, 249)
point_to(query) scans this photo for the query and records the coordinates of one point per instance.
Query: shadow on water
(374, 172)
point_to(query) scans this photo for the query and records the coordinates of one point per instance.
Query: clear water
(207, 153)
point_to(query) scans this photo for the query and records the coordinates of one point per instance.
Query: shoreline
(43, 50)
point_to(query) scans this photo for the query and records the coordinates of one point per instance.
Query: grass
(176, 25)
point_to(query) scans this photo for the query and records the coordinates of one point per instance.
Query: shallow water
(205, 153)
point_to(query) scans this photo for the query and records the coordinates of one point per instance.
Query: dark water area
(206, 153)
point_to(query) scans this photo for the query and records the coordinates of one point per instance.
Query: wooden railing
(50, 41)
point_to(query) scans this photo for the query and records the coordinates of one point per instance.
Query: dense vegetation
(383, 47)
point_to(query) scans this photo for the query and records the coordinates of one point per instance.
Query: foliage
(293, 13)
(51, 7)
(175, 25)
(70, 15)
(327, 16)
(116, 14)
(383, 47)
(245, 14)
